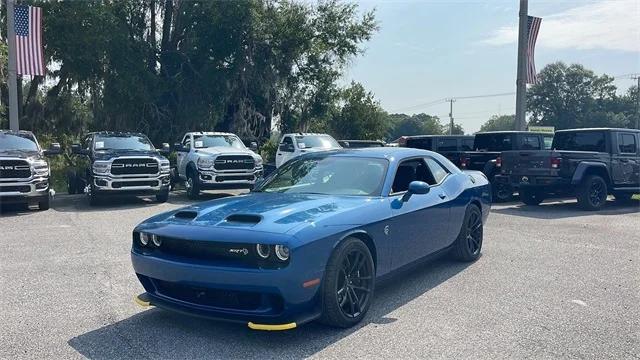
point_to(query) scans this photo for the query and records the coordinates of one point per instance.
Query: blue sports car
(310, 241)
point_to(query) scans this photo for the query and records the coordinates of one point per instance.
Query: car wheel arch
(366, 239)
(585, 169)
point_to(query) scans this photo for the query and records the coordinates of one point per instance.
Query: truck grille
(19, 188)
(14, 169)
(234, 162)
(138, 166)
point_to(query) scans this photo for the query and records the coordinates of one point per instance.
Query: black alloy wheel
(348, 284)
(592, 194)
(502, 192)
(468, 245)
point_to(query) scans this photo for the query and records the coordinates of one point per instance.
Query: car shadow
(157, 333)
(564, 208)
(11, 210)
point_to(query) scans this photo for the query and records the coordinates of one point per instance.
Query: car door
(181, 156)
(420, 225)
(625, 162)
(285, 151)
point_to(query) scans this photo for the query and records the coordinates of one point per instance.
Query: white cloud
(608, 24)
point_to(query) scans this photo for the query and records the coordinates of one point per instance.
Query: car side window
(287, 140)
(627, 143)
(467, 145)
(548, 141)
(530, 142)
(87, 143)
(411, 170)
(437, 170)
(187, 142)
(447, 144)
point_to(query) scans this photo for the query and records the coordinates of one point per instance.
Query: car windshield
(316, 141)
(207, 141)
(17, 142)
(329, 175)
(493, 142)
(124, 142)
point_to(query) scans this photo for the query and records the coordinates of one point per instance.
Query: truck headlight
(164, 167)
(205, 162)
(259, 161)
(101, 167)
(40, 168)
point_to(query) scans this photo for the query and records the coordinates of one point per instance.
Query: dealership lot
(553, 281)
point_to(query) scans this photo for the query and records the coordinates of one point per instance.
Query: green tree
(457, 129)
(418, 124)
(499, 123)
(360, 117)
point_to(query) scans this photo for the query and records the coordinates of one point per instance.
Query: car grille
(226, 299)
(20, 188)
(137, 166)
(235, 178)
(234, 162)
(14, 169)
(124, 184)
(205, 250)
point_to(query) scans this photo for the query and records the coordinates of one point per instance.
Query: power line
(445, 100)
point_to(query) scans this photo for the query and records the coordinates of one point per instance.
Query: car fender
(584, 166)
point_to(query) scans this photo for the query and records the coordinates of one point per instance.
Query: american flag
(533, 27)
(29, 51)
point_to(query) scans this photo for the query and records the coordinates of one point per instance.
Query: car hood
(268, 212)
(26, 155)
(217, 150)
(109, 154)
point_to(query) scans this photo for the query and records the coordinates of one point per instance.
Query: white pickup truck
(216, 160)
(292, 145)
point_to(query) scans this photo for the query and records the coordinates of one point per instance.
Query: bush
(268, 150)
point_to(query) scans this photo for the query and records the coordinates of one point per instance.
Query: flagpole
(13, 82)
(521, 80)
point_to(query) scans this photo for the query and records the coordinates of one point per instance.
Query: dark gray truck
(450, 146)
(487, 148)
(589, 164)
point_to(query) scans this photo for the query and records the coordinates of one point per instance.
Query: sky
(429, 50)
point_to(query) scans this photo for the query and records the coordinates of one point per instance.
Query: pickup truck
(119, 163)
(293, 145)
(450, 146)
(486, 155)
(589, 164)
(24, 171)
(358, 144)
(216, 160)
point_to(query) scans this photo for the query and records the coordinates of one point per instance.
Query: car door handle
(442, 196)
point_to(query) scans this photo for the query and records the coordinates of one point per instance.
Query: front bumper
(212, 179)
(18, 191)
(246, 295)
(139, 184)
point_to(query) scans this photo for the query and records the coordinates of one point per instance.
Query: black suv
(24, 171)
(450, 146)
(489, 145)
(119, 163)
(587, 163)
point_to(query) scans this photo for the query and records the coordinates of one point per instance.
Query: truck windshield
(493, 142)
(317, 141)
(207, 141)
(17, 142)
(580, 141)
(123, 142)
(329, 175)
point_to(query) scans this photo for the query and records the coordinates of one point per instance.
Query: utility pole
(638, 108)
(521, 79)
(451, 101)
(13, 76)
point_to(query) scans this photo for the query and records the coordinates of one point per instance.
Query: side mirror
(165, 149)
(416, 187)
(253, 146)
(54, 149)
(78, 150)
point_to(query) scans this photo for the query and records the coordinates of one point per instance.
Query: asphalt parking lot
(553, 282)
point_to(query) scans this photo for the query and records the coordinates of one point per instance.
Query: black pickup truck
(24, 171)
(450, 146)
(486, 155)
(119, 163)
(589, 164)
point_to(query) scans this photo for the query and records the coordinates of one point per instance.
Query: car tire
(531, 197)
(192, 185)
(342, 291)
(44, 203)
(163, 196)
(468, 244)
(592, 193)
(502, 193)
(94, 198)
(72, 183)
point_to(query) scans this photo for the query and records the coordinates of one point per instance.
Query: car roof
(14, 132)
(116, 133)
(210, 133)
(305, 134)
(598, 129)
(377, 152)
(513, 132)
(438, 136)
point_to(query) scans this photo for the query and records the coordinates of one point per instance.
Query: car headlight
(101, 167)
(144, 239)
(263, 250)
(205, 162)
(40, 168)
(282, 252)
(164, 166)
(147, 239)
(259, 161)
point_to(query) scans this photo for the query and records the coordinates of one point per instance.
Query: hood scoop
(247, 219)
(186, 215)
